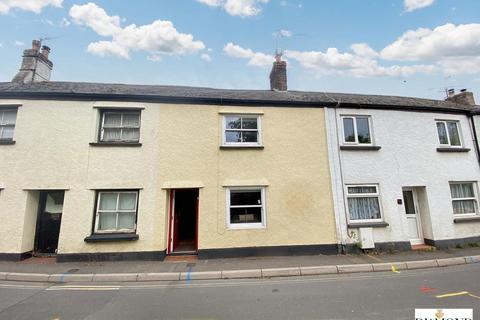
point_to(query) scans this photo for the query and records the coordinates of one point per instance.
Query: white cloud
(65, 22)
(283, 33)
(1, 45)
(412, 5)
(206, 57)
(256, 59)
(445, 41)
(27, 5)
(158, 38)
(19, 43)
(347, 64)
(363, 50)
(241, 8)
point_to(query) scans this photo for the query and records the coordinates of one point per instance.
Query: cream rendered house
(108, 172)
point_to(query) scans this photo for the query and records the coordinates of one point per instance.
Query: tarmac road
(386, 295)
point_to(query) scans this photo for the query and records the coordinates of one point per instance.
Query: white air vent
(365, 236)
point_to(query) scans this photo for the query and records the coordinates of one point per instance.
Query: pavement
(47, 270)
(376, 295)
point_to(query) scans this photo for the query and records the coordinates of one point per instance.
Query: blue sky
(394, 47)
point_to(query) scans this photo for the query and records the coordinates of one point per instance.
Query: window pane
(108, 201)
(112, 119)
(464, 206)
(233, 136)
(355, 190)
(54, 203)
(7, 132)
(348, 130)
(363, 130)
(462, 190)
(127, 201)
(250, 136)
(126, 220)
(233, 122)
(245, 215)
(107, 221)
(453, 132)
(130, 134)
(442, 133)
(112, 134)
(249, 123)
(131, 119)
(409, 202)
(364, 208)
(9, 116)
(245, 197)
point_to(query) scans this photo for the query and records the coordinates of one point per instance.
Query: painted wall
(407, 158)
(180, 148)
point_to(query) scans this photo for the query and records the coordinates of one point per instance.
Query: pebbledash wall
(407, 157)
(180, 149)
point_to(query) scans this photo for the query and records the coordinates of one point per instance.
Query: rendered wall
(180, 148)
(407, 158)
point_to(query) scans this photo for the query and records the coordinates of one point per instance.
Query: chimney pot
(451, 92)
(36, 45)
(464, 97)
(45, 51)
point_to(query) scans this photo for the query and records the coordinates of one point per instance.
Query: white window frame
(3, 124)
(475, 197)
(242, 144)
(98, 212)
(121, 112)
(363, 195)
(445, 123)
(240, 226)
(354, 118)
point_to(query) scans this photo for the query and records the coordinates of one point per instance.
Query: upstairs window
(116, 212)
(8, 118)
(449, 133)
(363, 203)
(356, 130)
(464, 198)
(242, 130)
(120, 126)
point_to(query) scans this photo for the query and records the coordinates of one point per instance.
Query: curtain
(131, 120)
(9, 117)
(356, 190)
(126, 220)
(364, 208)
(112, 119)
(130, 134)
(453, 132)
(108, 221)
(6, 132)
(108, 201)
(464, 206)
(442, 133)
(462, 190)
(112, 134)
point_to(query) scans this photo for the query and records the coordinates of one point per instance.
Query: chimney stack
(36, 67)
(464, 97)
(278, 75)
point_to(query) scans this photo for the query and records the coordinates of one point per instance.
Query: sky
(392, 47)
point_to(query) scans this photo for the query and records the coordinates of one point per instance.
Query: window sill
(115, 144)
(368, 225)
(443, 149)
(111, 237)
(245, 227)
(227, 147)
(6, 142)
(467, 219)
(361, 148)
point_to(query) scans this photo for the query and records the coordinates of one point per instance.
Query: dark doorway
(48, 222)
(185, 220)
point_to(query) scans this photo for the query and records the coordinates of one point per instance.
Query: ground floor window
(116, 211)
(246, 207)
(464, 198)
(363, 203)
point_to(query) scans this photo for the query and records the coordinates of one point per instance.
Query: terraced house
(108, 171)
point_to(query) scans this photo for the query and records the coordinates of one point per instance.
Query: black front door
(48, 222)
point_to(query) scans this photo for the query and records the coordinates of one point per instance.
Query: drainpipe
(344, 220)
(474, 134)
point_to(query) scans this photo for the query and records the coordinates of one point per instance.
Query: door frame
(171, 219)
(418, 216)
(42, 202)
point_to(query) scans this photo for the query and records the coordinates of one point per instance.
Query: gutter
(475, 137)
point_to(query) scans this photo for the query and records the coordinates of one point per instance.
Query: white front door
(414, 222)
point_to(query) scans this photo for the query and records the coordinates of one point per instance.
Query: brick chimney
(36, 67)
(464, 97)
(278, 75)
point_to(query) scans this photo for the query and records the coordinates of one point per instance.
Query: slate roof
(198, 95)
